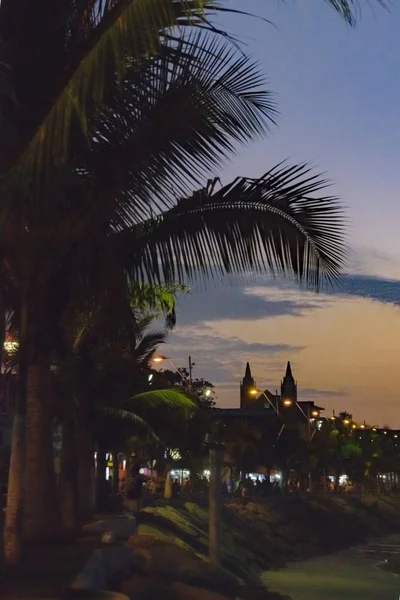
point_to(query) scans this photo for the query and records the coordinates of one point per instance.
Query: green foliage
(153, 300)
(347, 8)
(277, 222)
(170, 398)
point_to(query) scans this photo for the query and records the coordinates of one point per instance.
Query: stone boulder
(104, 568)
(122, 527)
(170, 563)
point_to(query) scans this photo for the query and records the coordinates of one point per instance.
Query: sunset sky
(339, 95)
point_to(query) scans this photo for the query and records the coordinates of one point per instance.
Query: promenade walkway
(354, 574)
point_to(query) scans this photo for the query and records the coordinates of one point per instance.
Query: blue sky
(338, 91)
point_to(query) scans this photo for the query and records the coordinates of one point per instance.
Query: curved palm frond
(279, 222)
(168, 398)
(174, 119)
(127, 415)
(348, 8)
(147, 347)
(113, 37)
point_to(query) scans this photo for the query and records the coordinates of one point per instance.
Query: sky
(338, 91)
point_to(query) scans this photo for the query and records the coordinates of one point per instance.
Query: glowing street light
(255, 391)
(346, 422)
(160, 358)
(287, 402)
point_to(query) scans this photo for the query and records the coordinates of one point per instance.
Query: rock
(123, 527)
(92, 578)
(102, 569)
(181, 591)
(112, 596)
(138, 587)
(171, 564)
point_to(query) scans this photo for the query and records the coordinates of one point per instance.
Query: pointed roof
(288, 370)
(288, 375)
(247, 374)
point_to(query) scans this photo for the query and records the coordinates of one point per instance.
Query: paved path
(350, 575)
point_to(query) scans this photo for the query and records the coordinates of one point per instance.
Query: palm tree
(86, 86)
(106, 372)
(166, 78)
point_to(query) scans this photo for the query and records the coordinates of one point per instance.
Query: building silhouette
(286, 403)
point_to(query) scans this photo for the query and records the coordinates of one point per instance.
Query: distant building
(286, 404)
(267, 410)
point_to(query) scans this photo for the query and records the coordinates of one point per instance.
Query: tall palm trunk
(115, 473)
(102, 489)
(68, 482)
(42, 518)
(13, 521)
(85, 466)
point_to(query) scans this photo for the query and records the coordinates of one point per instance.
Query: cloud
(222, 326)
(374, 288)
(373, 262)
(223, 359)
(235, 302)
(310, 393)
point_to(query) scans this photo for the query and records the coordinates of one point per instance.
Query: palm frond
(280, 222)
(147, 347)
(155, 300)
(119, 34)
(168, 398)
(127, 415)
(174, 119)
(348, 9)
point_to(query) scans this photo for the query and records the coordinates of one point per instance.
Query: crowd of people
(136, 485)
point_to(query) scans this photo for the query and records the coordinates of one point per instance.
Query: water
(355, 574)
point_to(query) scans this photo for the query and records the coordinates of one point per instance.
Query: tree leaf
(280, 222)
(170, 398)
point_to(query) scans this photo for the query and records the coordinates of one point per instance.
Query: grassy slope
(264, 535)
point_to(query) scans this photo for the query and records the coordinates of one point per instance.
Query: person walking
(134, 492)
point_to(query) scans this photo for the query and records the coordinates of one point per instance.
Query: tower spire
(246, 387)
(288, 370)
(288, 385)
(247, 374)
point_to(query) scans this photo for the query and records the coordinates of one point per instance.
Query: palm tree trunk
(85, 466)
(14, 511)
(42, 517)
(68, 486)
(102, 491)
(115, 479)
(13, 520)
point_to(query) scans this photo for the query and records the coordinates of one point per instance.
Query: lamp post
(214, 531)
(289, 402)
(255, 391)
(188, 380)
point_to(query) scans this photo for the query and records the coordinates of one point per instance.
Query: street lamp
(255, 391)
(160, 358)
(289, 402)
